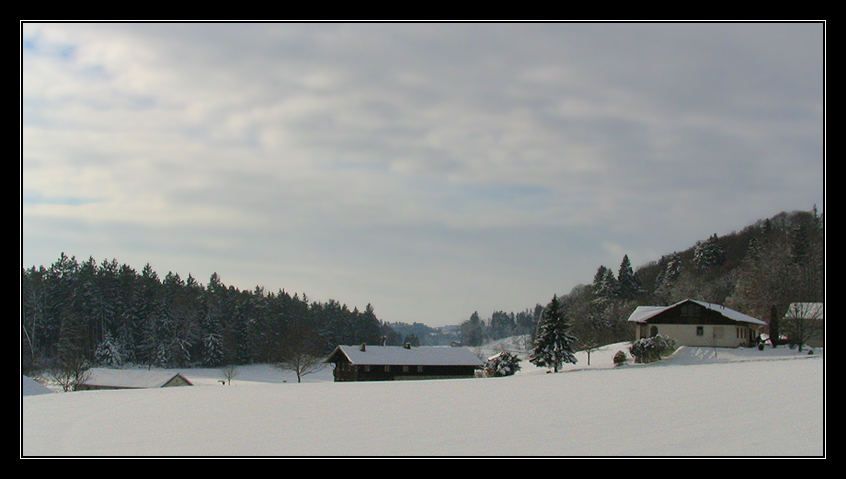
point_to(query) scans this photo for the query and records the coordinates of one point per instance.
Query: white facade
(697, 323)
(711, 335)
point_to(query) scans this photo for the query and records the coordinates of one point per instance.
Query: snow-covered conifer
(554, 344)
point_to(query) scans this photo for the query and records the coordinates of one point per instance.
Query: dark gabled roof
(403, 356)
(643, 314)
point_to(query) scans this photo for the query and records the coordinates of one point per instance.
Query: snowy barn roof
(405, 356)
(30, 387)
(132, 378)
(642, 314)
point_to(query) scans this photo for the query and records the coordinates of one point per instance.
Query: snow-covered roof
(30, 387)
(643, 313)
(129, 378)
(402, 356)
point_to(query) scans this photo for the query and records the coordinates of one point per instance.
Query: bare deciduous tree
(301, 351)
(302, 363)
(229, 372)
(802, 322)
(71, 372)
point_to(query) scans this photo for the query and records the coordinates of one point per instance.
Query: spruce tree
(554, 343)
(605, 285)
(709, 253)
(628, 284)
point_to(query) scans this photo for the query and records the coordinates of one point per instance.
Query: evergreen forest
(110, 314)
(107, 313)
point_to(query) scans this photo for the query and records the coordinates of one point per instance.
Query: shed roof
(402, 356)
(130, 378)
(642, 314)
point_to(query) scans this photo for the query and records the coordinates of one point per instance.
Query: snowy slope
(700, 402)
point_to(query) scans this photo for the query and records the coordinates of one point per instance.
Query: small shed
(697, 323)
(387, 363)
(103, 378)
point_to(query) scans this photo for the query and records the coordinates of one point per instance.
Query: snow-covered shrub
(503, 364)
(647, 350)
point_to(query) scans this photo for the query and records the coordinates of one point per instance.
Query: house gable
(691, 312)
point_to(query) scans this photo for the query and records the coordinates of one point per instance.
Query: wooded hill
(758, 271)
(110, 314)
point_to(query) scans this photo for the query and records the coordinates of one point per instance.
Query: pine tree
(605, 285)
(671, 269)
(554, 343)
(473, 330)
(628, 284)
(108, 353)
(709, 254)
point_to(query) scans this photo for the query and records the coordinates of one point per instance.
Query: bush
(619, 358)
(647, 350)
(503, 364)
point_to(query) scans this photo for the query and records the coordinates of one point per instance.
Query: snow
(401, 356)
(699, 402)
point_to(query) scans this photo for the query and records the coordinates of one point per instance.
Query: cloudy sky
(432, 170)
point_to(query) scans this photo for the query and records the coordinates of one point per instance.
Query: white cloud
(453, 157)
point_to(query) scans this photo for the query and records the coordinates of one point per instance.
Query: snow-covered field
(700, 402)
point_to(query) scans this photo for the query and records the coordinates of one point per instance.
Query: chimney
(363, 347)
(407, 346)
(384, 340)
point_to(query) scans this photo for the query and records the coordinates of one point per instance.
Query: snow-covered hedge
(647, 350)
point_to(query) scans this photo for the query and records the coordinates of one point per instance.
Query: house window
(700, 331)
(387, 368)
(405, 369)
(419, 369)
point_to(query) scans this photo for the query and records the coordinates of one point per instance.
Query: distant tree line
(759, 271)
(110, 314)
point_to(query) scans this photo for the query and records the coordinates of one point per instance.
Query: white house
(697, 323)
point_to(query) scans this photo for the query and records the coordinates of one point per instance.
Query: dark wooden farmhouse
(387, 363)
